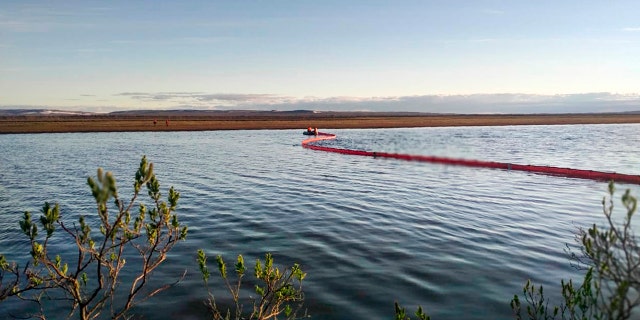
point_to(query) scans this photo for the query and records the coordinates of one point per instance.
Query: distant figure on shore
(155, 122)
(167, 122)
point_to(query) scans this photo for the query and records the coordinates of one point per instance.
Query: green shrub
(610, 289)
(279, 292)
(88, 283)
(611, 286)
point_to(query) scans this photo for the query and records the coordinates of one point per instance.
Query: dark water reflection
(459, 241)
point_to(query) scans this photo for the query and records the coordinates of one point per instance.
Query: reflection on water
(460, 241)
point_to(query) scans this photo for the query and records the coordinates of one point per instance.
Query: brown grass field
(288, 120)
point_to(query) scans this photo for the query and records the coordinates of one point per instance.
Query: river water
(458, 241)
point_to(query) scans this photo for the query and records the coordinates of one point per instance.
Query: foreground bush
(611, 287)
(90, 283)
(279, 292)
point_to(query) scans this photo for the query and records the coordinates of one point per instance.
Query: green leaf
(240, 268)
(183, 233)
(400, 313)
(84, 278)
(4, 265)
(421, 314)
(27, 226)
(259, 290)
(202, 264)
(258, 269)
(222, 267)
(174, 221)
(173, 198)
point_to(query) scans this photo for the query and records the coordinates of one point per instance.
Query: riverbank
(176, 121)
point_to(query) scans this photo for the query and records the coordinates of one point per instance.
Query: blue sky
(479, 56)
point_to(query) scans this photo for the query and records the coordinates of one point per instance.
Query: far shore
(292, 120)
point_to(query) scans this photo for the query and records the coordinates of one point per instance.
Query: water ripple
(459, 241)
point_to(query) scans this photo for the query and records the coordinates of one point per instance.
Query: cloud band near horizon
(470, 103)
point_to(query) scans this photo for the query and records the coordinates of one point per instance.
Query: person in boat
(311, 131)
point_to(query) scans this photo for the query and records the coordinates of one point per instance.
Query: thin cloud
(501, 103)
(20, 26)
(171, 41)
(204, 40)
(92, 50)
(130, 94)
(485, 40)
(475, 103)
(236, 97)
(226, 99)
(631, 29)
(28, 18)
(492, 11)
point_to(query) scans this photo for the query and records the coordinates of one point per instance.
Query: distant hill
(41, 112)
(256, 113)
(9, 113)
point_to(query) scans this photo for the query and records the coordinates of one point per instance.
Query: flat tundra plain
(258, 120)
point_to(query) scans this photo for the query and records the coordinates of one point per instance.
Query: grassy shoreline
(326, 121)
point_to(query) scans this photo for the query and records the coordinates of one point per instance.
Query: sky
(473, 56)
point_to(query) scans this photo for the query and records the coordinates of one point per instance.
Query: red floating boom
(564, 172)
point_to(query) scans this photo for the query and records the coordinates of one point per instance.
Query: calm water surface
(459, 241)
